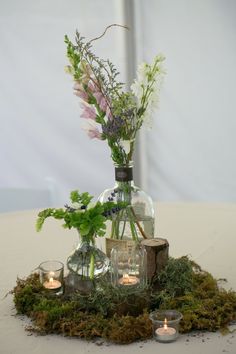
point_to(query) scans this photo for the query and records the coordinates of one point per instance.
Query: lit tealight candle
(51, 276)
(128, 280)
(52, 283)
(165, 333)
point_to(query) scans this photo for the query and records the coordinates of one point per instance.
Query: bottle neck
(124, 182)
(86, 239)
(124, 173)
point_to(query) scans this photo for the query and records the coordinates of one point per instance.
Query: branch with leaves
(88, 218)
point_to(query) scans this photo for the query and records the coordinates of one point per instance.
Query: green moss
(206, 306)
(127, 329)
(177, 277)
(121, 315)
(27, 294)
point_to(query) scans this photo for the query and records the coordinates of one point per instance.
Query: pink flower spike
(98, 96)
(101, 101)
(91, 129)
(79, 91)
(93, 86)
(78, 86)
(89, 112)
(103, 104)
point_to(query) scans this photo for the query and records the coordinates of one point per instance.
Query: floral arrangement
(87, 217)
(111, 113)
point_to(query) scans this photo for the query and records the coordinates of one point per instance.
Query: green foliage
(88, 219)
(74, 59)
(83, 198)
(177, 277)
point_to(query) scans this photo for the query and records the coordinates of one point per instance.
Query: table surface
(205, 232)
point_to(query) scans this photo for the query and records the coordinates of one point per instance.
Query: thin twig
(138, 224)
(86, 51)
(103, 34)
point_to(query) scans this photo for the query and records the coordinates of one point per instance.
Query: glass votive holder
(51, 275)
(128, 268)
(165, 325)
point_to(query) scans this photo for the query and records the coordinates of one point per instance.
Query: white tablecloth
(206, 232)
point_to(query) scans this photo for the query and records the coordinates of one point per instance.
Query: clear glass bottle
(136, 221)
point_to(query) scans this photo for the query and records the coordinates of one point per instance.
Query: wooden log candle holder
(157, 255)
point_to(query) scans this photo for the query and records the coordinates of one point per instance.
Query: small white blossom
(91, 205)
(146, 87)
(125, 144)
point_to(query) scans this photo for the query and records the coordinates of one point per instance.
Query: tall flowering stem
(110, 113)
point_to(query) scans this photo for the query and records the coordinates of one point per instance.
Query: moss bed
(122, 315)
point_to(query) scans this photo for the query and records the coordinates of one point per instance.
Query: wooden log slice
(157, 255)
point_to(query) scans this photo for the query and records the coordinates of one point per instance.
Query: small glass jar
(165, 325)
(51, 275)
(128, 269)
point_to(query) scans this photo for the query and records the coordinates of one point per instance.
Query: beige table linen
(206, 232)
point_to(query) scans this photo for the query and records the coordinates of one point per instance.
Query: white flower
(125, 144)
(140, 82)
(76, 205)
(146, 87)
(91, 205)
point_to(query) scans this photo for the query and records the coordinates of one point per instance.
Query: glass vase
(86, 263)
(136, 221)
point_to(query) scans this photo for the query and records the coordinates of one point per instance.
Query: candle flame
(51, 277)
(165, 323)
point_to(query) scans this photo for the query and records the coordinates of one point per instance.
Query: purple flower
(113, 127)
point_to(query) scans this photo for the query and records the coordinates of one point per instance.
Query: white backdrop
(190, 152)
(41, 140)
(191, 148)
